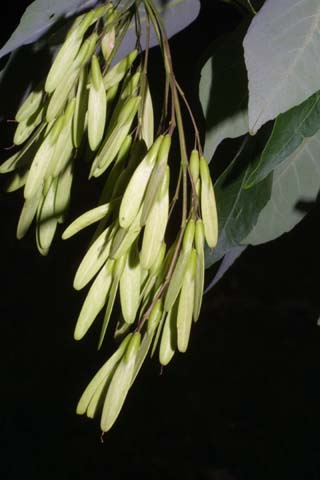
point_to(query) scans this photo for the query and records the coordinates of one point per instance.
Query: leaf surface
(223, 91)
(227, 262)
(238, 208)
(42, 14)
(38, 18)
(289, 132)
(282, 47)
(296, 185)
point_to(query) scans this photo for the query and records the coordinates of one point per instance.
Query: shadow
(304, 206)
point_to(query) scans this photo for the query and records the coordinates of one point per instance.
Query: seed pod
(132, 198)
(142, 353)
(17, 180)
(120, 384)
(132, 348)
(25, 155)
(121, 328)
(109, 38)
(96, 401)
(30, 106)
(156, 178)
(153, 274)
(95, 300)
(176, 280)
(117, 73)
(208, 205)
(168, 342)
(157, 265)
(86, 51)
(111, 94)
(63, 192)
(11, 164)
(156, 225)
(186, 302)
(198, 188)
(64, 146)
(101, 376)
(124, 150)
(199, 236)
(120, 182)
(130, 285)
(117, 271)
(61, 94)
(41, 161)
(155, 317)
(123, 108)
(137, 154)
(79, 117)
(46, 221)
(27, 127)
(188, 236)
(166, 264)
(125, 237)
(46, 185)
(116, 171)
(194, 165)
(114, 140)
(97, 106)
(97, 13)
(86, 219)
(59, 70)
(147, 121)
(128, 111)
(28, 213)
(93, 259)
(124, 111)
(109, 151)
(130, 86)
(200, 268)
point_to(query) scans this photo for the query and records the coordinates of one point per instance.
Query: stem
(144, 81)
(176, 193)
(196, 131)
(166, 281)
(251, 7)
(160, 30)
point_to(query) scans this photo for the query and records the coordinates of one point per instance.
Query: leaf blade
(280, 49)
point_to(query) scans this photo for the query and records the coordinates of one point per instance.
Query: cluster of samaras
(88, 106)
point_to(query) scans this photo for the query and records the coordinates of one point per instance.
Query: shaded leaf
(227, 262)
(289, 131)
(39, 17)
(238, 209)
(296, 185)
(281, 49)
(223, 91)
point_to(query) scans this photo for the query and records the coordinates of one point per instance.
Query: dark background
(242, 404)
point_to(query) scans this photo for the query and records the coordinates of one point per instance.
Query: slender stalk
(196, 131)
(251, 7)
(155, 17)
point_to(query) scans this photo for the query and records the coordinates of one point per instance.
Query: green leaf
(282, 57)
(224, 91)
(238, 209)
(296, 185)
(289, 131)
